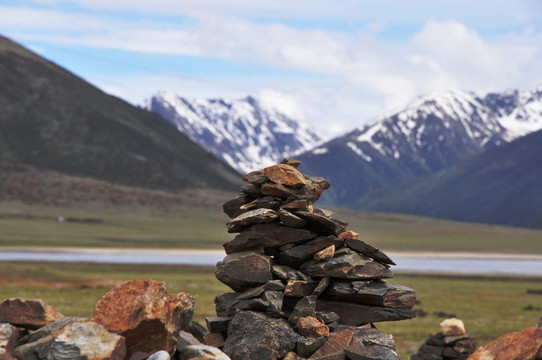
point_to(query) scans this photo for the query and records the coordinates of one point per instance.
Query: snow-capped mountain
(428, 135)
(241, 132)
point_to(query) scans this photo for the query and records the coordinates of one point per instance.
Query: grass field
(204, 227)
(489, 306)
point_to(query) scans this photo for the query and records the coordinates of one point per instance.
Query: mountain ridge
(241, 132)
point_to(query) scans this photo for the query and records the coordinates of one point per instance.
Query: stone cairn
(449, 344)
(303, 285)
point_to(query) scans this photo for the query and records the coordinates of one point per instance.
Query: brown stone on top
(297, 255)
(357, 314)
(77, 339)
(321, 224)
(252, 217)
(241, 271)
(333, 349)
(310, 327)
(347, 265)
(28, 313)
(377, 293)
(253, 335)
(255, 178)
(368, 250)
(270, 235)
(525, 345)
(145, 314)
(284, 174)
(316, 186)
(292, 162)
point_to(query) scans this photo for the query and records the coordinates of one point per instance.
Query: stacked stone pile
(449, 344)
(303, 284)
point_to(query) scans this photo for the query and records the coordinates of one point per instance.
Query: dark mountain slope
(500, 186)
(51, 119)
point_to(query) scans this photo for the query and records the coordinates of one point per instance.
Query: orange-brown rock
(310, 327)
(525, 345)
(28, 313)
(334, 347)
(349, 235)
(145, 314)
(284, 174)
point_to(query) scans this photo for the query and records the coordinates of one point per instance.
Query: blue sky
(332, 64)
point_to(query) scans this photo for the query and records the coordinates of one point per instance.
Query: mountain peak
(241, 132)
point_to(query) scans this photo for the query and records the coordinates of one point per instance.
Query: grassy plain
(186, 226)
(489, 306)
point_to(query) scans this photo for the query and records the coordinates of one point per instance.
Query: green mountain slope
(53, 120)
(500, 186)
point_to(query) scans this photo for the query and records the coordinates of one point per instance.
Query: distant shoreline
(392, 254)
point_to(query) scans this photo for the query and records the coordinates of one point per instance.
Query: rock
(377, 293)
(145, 314)
(78, 339)
(307, 346)
(299, 288)
(214, 339)
(202, 352)
(292, 162)
(271, 235)
(357, 350)
(357, 314)
(333, 349)
(293, 356)
(297, 205)
(252, 217)
(327, 317)
(232, 207)
(287, 273)
(185, 339)
(275, 299)
(241, 271)
(304, 307)
(349, 235)
(257, 291)
(525, 345)
(284, 174)
(322, 286)
(28, 313)
(347, 265)
(291, 220)
(297, 255)
(281, 191)
(310, 327)
(160, 355)
(269, 202)
(256, 178)
(197, 330)
(321, 224)
(217, 324)
(452, 327)
(251, 190)
(368, 250)
(325, 254)
(253, 335)
(9, 336)
(224, 304)
(316, 187)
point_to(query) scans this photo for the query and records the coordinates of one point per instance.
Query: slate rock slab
(377, 293)
(77, 339)
(28, 313)
(357, 314)
(253, 335)
(252, 217)
(241, 271)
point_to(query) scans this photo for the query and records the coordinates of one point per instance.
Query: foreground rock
(28, 313)
(525, 345)
(9, 336)
(297, 271)
(71, 339)
(145, 315)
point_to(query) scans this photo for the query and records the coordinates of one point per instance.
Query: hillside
(51, 119)
(430, 134)
(243, 133)
(500, 186)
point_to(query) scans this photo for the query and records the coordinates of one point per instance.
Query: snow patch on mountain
(241, 132)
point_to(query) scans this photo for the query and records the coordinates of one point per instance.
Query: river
(459, 263)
